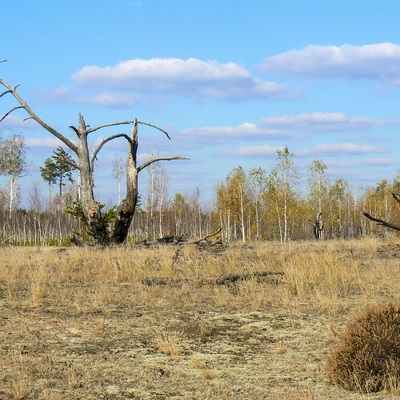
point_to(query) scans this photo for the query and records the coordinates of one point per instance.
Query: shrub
(367, 356)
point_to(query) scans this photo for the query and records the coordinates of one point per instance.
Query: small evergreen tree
(48, 173)
(58, 169)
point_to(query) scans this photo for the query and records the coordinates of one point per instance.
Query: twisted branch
(156, 127)
(104, 141)
(153, 160)
(9, 112)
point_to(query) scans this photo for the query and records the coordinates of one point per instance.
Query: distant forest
(251, 205)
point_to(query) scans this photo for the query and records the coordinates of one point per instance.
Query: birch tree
(162, 195)
(257, 182)
(284, 178)
(12, 163)
(232, 201)
(337, 196)
(180, 208)
(117, 172)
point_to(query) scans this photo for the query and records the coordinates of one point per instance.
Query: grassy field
(146, 323)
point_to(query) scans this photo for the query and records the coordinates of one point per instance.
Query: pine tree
(57, 170)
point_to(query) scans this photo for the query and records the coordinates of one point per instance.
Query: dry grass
(81, 323)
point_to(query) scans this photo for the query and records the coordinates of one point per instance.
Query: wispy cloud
(106, 98)
(340, 149)
(110, 99)
(372, 61)
(337, 149)
(253, 151)
(283, 127)
(192, 78)
(376, 161)
(322, 122)
(49, 142)
(247, 131)
(13, 122)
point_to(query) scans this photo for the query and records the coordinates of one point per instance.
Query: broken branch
(381, 222)
(156, 127)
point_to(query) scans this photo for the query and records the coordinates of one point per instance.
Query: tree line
(250, 205)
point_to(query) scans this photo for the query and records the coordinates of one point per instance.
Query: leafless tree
(90, 209)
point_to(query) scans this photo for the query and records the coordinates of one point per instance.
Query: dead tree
(381, 221)
(318, 227)
(91, 214)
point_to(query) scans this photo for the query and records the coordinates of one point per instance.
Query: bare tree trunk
(12, 192)
(318, 227)
(152, 200)
(127, 207)
(91, 209)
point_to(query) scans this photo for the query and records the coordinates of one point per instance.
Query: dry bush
(367, 357)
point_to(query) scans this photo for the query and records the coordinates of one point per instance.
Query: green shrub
(367, 357)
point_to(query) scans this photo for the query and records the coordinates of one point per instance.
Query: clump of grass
(38, 284)
(199, 363)
(209, 374)
(20, 386)
(367, 357)
(168, 342)
(20, 389)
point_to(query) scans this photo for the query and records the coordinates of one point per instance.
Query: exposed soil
(188, 348)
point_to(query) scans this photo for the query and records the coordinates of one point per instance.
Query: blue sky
(232, 81)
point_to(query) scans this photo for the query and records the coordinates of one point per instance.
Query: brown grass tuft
(168, 342)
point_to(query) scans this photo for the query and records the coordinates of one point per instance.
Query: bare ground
(91, 336)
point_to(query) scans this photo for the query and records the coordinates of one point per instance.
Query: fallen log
(173, 240)
(229, 279)
(235, 278)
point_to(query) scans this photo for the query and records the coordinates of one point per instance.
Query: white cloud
(340, 149)
(283, 127)
(376, 162)
(189, 78)
(246, 130)
(253, 151)
(13, 122)
(61, 92)
(374, 61)
(112, 99)
(321, 122)
(49, 142)
(109, 99)
(334, 150)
